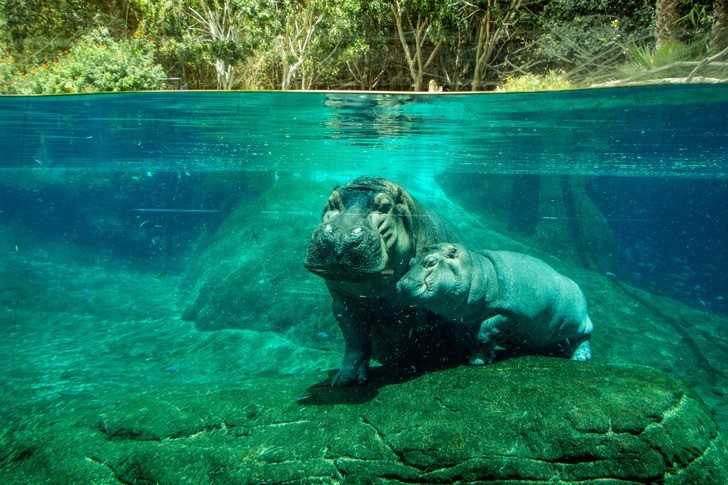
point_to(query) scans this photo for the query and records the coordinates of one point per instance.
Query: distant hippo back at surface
(513, 300)
(370, 229)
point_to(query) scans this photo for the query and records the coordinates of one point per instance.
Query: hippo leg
(357, 347)
(487, 339)
(582, 352)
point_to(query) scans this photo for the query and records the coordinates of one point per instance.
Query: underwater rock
(552, 212)
(250, 273)
(524, 420)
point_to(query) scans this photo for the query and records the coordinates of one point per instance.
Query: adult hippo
(370, 229)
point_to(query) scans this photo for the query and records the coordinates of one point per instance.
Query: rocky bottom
(526, 420)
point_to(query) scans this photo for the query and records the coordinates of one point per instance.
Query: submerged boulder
(522, 421)
(552, 212)
(250, 273)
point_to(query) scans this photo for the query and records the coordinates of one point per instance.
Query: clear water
(156, 240)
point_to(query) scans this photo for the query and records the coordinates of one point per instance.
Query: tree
(221, 26)
(667, 22)
(310, 38)
(420, 20)
(719, 32)
(295, 43)
(368, 58)
(495, 20)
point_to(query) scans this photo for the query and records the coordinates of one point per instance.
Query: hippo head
(365, 232)
(438, 279)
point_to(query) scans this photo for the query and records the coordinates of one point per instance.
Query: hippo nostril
(356, 236)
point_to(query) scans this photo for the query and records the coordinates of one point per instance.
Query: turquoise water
(153, 243)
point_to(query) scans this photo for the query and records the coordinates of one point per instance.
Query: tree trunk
(667, 18)
(719, 33)
(417, 66)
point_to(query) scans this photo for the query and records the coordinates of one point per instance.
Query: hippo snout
(354, 249)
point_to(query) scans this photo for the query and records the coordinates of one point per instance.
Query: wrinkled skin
(517, 302)
(370, 229)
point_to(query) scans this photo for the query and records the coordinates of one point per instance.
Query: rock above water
(520, 421)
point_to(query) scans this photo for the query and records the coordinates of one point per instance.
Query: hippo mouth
(415, 287)
(347, 274)
(426, 286)
(335, 260)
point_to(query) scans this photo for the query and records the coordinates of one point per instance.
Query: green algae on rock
(526, 420)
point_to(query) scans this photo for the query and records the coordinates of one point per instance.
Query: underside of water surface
(160, 326)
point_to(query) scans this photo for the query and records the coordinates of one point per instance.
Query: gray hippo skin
(370, 230)
(515, 301)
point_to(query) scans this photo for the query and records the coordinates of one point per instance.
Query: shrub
(671, 59)
(7, 70)
(587, 37)
(645, 57)
(96, 63)
(537, 82)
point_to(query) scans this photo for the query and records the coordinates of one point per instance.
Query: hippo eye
(451, 252)
(429, 262)
(383, 203)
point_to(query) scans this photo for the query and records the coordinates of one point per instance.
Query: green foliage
(670, 60)
(96, 63)
(645, 57)
(575, 32)
(37, 29)
(8, 70)
(548, 81)
(57, 45)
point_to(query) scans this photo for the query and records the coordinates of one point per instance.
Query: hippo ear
(396, 194)
(404, 205)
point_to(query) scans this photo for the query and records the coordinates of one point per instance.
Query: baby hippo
(515, 301)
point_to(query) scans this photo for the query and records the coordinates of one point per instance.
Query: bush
(537, 82)
(96, 63)
(584, 35)
(670, 60)
(646, 58)
(7, 71)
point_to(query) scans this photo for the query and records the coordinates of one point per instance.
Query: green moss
(525, 420)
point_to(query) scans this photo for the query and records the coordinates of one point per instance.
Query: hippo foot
(350, 375)
(582, 352)
(484, 355)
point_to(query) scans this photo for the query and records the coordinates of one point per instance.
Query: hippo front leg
(487, 339)
(357, 346)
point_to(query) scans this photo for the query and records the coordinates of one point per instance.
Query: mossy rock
(529, 420)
